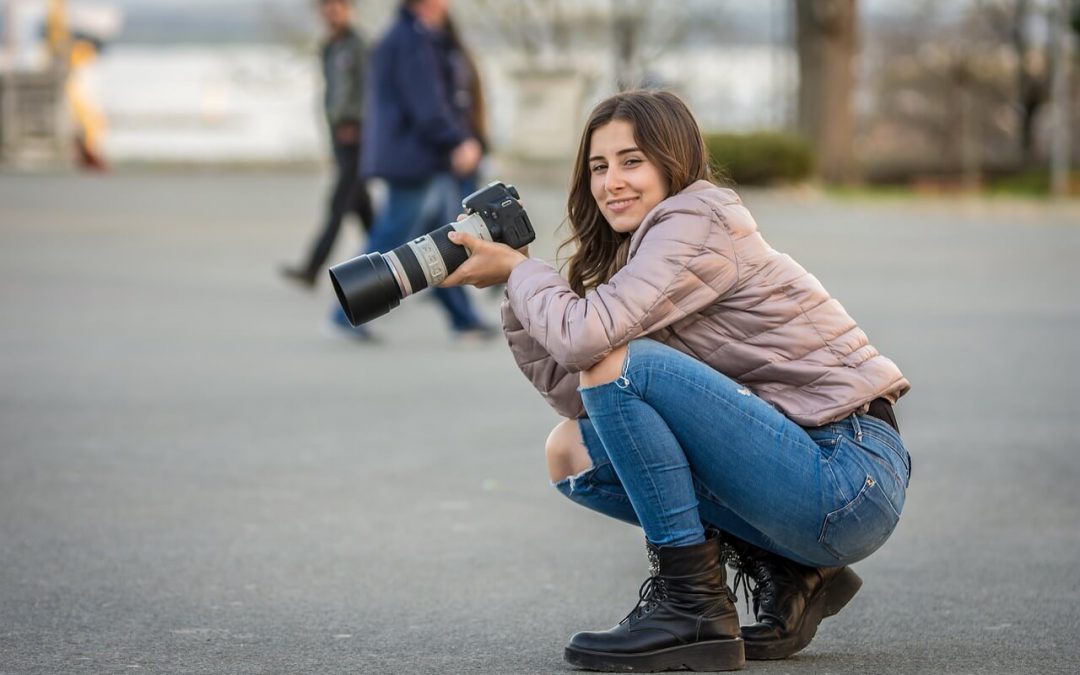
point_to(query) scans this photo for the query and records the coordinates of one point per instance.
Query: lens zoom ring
(452, 254)
(412, 268)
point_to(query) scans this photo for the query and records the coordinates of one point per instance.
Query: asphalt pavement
(196, 478)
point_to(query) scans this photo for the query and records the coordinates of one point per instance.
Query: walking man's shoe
(303, 278)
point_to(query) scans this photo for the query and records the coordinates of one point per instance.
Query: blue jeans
(676, 445)
(413, 210)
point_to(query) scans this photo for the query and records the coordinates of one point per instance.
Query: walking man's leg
(342, 198)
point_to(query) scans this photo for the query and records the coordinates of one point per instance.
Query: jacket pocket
(861, 526)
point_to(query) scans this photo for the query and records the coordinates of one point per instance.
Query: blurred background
(963, 94)
(196, 478)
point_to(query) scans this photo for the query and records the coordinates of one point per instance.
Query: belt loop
(856, 427)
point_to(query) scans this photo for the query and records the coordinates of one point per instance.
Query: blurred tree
(543, 32)
(559, 34)
(826, 42)
(1023, 25)
(944, 97)
(1065, 17)
(642, 31)
(1037, 32)
(562, 53)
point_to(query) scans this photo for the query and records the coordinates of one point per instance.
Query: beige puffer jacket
(701, 279)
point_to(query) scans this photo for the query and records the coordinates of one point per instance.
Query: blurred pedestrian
(78, 44)
(344, 59)
(87, 114)
(424, 137)
(716, 395)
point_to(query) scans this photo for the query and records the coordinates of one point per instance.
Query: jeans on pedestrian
(412, 210)
(676, 445)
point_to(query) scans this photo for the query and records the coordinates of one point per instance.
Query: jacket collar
(705, 190)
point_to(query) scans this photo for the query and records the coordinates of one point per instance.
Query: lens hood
(366, 288)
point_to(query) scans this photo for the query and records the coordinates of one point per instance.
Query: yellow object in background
(89, 119)
(76, 56)
(57, 31)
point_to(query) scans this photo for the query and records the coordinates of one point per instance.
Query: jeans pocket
(861, 526)
(881, 440)
(826, 437)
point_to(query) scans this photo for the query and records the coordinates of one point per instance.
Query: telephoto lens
(371, 285)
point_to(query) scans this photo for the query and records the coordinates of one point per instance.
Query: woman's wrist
(516, 263)
(519, 258)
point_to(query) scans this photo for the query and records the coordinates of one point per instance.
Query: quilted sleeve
(556, 384)
(684, 263)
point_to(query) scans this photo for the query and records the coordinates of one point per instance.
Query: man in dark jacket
(343, 63)
(420, 137)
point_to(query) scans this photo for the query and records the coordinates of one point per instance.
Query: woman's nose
(613, 180)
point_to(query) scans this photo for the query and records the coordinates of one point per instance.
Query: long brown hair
(668, 135)
(477, 105)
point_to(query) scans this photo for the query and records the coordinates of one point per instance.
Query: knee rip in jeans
(623, 382)
(570, 482)
(599, 374)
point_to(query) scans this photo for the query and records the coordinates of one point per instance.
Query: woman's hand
(488, 264)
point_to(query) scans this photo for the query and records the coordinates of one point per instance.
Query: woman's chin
(624, 224)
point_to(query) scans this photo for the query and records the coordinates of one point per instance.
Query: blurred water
(235, 102)
(260, 102)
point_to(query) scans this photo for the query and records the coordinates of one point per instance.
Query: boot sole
(829, 600)
(700, 656)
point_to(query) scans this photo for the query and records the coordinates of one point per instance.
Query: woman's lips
(620, 205)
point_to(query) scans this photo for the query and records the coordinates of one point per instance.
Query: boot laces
(748, 575)
(653, 591)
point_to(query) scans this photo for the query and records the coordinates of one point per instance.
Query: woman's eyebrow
(620, 152)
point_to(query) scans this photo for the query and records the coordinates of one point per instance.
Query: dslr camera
(371, 285)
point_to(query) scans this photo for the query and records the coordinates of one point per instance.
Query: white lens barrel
(475, 226)
(398, 271)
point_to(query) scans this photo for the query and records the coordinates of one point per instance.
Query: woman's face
(624, 183)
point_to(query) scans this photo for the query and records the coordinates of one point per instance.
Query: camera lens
(366, 287)
(371, 285)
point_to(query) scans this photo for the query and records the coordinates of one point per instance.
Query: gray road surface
(194, 479)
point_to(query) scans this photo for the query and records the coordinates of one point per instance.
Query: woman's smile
(621, 204)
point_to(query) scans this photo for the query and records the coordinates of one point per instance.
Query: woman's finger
(458, 278)
(464, 239)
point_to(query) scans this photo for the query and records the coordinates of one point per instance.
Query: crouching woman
(715, 394)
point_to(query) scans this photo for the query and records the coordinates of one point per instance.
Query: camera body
(498, 205)
(371, 285)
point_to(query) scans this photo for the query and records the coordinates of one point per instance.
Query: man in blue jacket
(420, 137)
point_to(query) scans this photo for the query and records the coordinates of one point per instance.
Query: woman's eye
(633, 161)
(597, 168)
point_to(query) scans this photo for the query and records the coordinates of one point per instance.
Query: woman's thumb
(460, 238)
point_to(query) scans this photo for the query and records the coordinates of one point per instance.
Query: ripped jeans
(676, 445)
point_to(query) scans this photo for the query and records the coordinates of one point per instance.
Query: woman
(714, 391)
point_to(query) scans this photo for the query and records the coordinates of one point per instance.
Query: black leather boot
(790, 599)
(685, 619)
